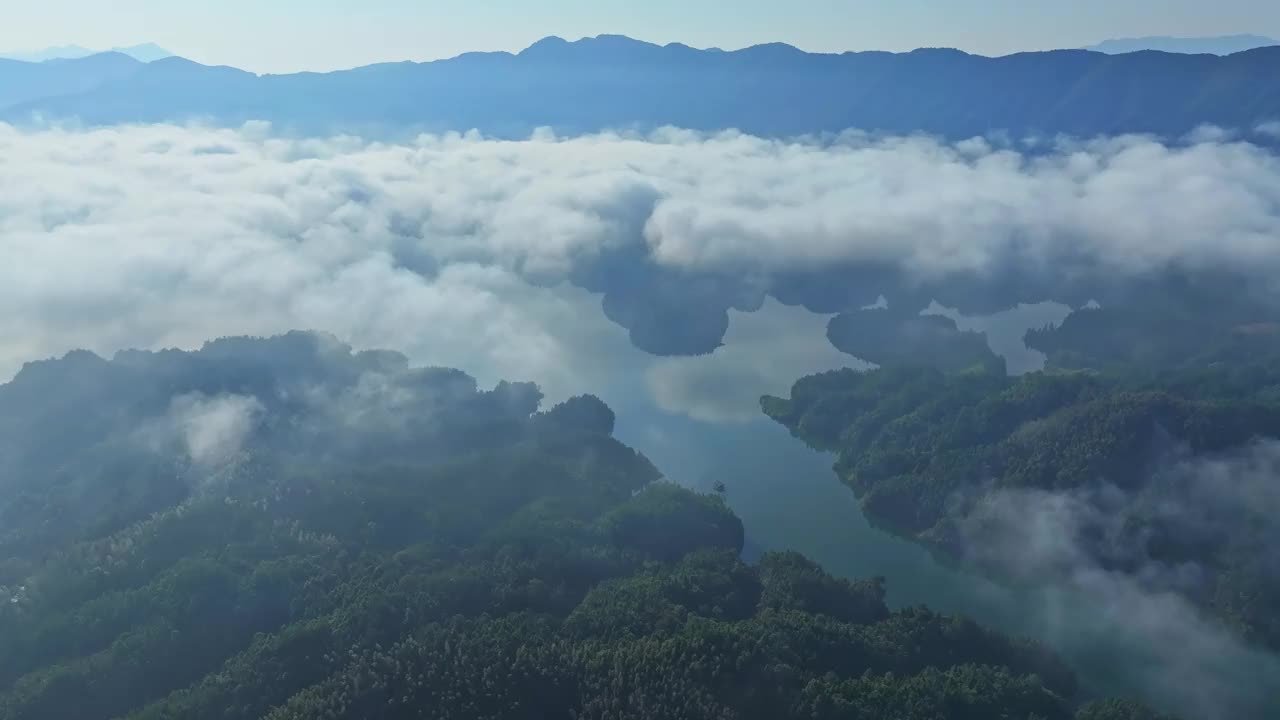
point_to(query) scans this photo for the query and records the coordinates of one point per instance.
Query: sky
(293, 35)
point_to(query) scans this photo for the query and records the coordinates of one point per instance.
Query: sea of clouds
(456, 247)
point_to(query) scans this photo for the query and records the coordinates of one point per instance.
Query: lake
(698, 419)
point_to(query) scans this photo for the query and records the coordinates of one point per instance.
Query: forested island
(283, 528)
(888, 336)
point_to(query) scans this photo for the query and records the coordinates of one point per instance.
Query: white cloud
(166, 236)
(214, 429)
(1129, 203)
(1054, 541)
(138, 238)
(1210, 134)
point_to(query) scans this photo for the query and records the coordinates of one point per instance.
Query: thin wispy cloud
(1073, 542)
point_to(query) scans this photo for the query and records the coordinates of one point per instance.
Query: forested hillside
(1166, 476)
(282, 528)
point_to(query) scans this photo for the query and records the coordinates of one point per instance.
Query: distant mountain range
(25, 81)
(1220, 45)
(614, 82)
(146, 52)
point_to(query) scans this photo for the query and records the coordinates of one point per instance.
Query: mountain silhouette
(1220, 45)
(615, 82)
(146, 52)
(25, 81)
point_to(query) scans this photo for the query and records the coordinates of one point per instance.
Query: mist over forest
(419, 391)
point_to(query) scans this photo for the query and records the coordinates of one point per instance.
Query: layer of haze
(293, 35)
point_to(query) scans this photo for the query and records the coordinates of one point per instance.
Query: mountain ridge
(142, 52)
(1215, 45)
(612, 82)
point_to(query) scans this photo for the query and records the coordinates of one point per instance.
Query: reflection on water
(1005, 330)
(764, 352)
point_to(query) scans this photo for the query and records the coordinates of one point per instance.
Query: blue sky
(288, 35)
